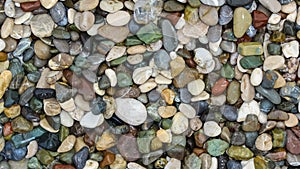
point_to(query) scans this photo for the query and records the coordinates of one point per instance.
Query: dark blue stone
(13, 153)
(232, 164)
(26, 96)
(266, 106)
(58, 12)
(98, 106)
(11, 97)
(269, 79)
(29, 114)
(229, 112)
(44, 93)
(250, 138)
(28, 54)
(49, 141)
(79, 159)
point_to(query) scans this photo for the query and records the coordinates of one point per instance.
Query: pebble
(67, 144)
(48, 4)
(170, 40)
(127, 146)
(111, 6)
(41, 25)
(273, 62)
(292, 120)
(86, 5)
(257, 76)
(217, 147)
(180, 123)
(84, 21)
(204, 60)
(7, 27)
(274, 8)
(208, 15)
(251, 107)
(264, 142)
(211, 129)
(119, 18)
(197, 30)
(116, 34)
(135, 112)
(241, 21)
(141, 75)
(177, 66)
(115, 53)
(213, 2)
(196, 87)
(290, 49)
(90, 120)
(187, 110)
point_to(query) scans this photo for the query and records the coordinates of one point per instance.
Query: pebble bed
(149, 84)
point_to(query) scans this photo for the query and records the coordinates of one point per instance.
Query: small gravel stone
(211, 129)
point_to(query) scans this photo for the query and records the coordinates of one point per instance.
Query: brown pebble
(199, 151)
(108, 159)
(220, 86)
(61, 166)
(30, 6)
(3, 56)
(7, 129)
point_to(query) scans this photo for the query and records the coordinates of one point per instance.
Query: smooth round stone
(208, 15)
(10, 44)
(292, 121)
(32, 149)
(187, 110)
(229, 112)
(213, 2)
(273, 5)
(247, 89)
(274, 19)
(111, 6)
(264, 142)
(42, 25)
(273, 62)
(204, 60)
(84, 21)
(131, 111)
(211, 129)
(233, 92)
(238, 138)
(42, 50)
(80, 158)
(217, 147)
(241, 21)
(180, 123)
(90, 120)
(251, 107)
(162, 59)
(167, 111)
(141, 75)
(289, 8)
(214, 33)
(196, 87)
(58, 12)
(256, 77)
(226, 15)
(291, 49)
(86, 5)
(119, 18)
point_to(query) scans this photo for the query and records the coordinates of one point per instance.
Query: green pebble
(250, 48)
(173, 6)
(149, 33)
(33, 163)
(67, 157)
(194, 3)
(152, 112)
(240, 153)
(192, 162)
(227, 71)
(250, 62)
(35, 104)
(61, 34)
(21, 140)
(166, 123)
(144, 140)
(44, 157)
(133, 40)
(29, 67)
(279, 137)
(63, 133)
(97, 156)
(217, 147)
(118, 61)
(124, 79)
(274, 49)
(191, 14)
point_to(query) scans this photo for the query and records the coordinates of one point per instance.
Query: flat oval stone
(213, 2)
(131, 111)
(256, 77)
(196, 87)
(119, 18)
(241, 21)
(273, 62)
(116, 34)
(273, 5)
(141, 75)
(226, 15)
(233, 92)
(211, 129)
(67, 144)
(86, 5)
(270, 94)
(264, 142)
(111, 6)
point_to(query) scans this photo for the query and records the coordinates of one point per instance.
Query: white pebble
(2, 44)
(211, 129)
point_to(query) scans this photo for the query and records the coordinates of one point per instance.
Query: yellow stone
(241, 21)
(106, 141)
(280, 81)
(250, 48)
(164, 136)
(168, 95)
(5, 79)
(13, 111)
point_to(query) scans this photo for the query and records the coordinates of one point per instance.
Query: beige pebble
(292, 121)
(162, 80)
(81, 103)
(256, 77)
(77, 114)
(5, 79)
(187, 110)
(66, 119)
(129, 5)
(4, 66)
(180, 123)
(273, 62)
(289, 8)
(164, 136)
(298, 17)
(42, 50)
(167, 111)
(111, 5)
(247, 90)
(68, 105)
(135, 59)
(290, 49)
(42, 25)
(84, 21)
(141, 75)
(177, 66)
(67, 144)
(280, 81)
(274, 18)
(133, 165)
(195, 31)
(138, 49)
(86, 5)
(202, 96)
(147, 86)
(17, 32)
(211, 129)
(71, 15)
(251, 107)
(119, 18)
(48, 3)
(292, 16)
(32, 149)
(173, 164)
(7, 27)
(264, 142)
(94, 29)
(196, 87)
(115, 53)
(25, 17)
(51, 107)
(195, 124)
(106, 141)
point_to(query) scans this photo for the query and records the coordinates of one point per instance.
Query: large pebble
(256, 77)
(204, 60)
(131, 111)
(208, 15)
(90, 120)
(119, 18)
(170, 40)
(42, 25)
(180, 123)
(84, 21)
(196, 87)
(213, 2)
(5, 79)
(115, 53)
(291, 49)
(251, 107)
(211, 129)
(273, 5)
(7, 27)
(86, 5)
(48, 3)
(241, 21)
(273, 62)
(111, 5)
(141, 75)
(116, 34)
(264, 142)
